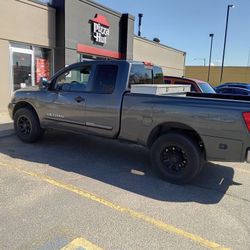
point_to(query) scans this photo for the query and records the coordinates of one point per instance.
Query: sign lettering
(100, 29)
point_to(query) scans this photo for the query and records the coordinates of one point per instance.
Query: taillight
(148, 65)
(246, 116)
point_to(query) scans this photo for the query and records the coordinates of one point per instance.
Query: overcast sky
(186, 24)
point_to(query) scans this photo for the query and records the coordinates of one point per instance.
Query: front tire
(176, 157)
(27, 125)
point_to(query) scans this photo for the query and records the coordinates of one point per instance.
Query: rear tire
(27, 125)
(176, 157)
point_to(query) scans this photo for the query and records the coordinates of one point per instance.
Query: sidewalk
(6, 124)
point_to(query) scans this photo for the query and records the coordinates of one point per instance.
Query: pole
(210, 55)
(248, 60)
(225, 41)
(140, 15)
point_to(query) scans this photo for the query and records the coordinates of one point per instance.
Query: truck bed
(217, 120)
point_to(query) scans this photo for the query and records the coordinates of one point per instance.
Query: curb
(6, 128)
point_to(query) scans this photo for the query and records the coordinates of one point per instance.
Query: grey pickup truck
(94, 97)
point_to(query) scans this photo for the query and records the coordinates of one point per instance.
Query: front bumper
(248, 156)
(10, 109)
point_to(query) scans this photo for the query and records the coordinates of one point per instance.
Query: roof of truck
(186, 78)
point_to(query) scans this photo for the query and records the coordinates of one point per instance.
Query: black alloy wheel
(24, 125)
(176, 157)
(27, 125)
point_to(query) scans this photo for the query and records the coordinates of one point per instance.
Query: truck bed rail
(219, 96)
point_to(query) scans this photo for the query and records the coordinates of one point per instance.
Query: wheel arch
(24, 104)
(169, 127)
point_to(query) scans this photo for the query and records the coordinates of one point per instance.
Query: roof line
(159, 44)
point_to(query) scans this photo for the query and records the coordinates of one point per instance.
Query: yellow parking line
(80, 243)
(138, 215)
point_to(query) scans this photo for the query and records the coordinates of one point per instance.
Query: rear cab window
(144, 74)
(158, 75)
(140, 75)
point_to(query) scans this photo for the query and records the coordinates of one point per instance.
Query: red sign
(101, 20)
(100, 29)
(42, 69)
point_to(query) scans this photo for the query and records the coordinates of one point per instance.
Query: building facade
(37, 39)
(87, 30)
(171, 60)
(27, 41)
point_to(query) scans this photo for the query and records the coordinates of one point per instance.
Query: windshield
(206, 87)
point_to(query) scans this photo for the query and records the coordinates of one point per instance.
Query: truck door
(103, 101)
(68, 107)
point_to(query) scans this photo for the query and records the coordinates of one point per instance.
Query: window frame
(155, 71)
(240, 91)
(144, 68)
(226, 89)
(95, 74)
(29, 49)
(68, 69)
(93, 66)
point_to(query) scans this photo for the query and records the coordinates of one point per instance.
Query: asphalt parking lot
(81, 192)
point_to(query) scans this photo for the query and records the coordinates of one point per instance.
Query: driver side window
(74, 80)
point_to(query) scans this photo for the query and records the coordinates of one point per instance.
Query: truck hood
(26, 94)
(28, 89)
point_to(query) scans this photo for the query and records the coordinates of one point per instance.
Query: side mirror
(44, 83)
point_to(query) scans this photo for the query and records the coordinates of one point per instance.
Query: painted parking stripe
(138, 215)
(80, 243)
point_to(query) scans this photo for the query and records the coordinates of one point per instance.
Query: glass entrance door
(22, 68)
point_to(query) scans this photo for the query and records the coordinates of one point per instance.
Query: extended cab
(94, 97)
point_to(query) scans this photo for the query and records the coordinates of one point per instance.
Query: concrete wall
(26, 22)
(171, 60)
(230, 74)
(5, 82)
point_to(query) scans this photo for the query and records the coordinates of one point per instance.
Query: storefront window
(22, 67)
(29, 64)
(92, 57)
(45, 2)
(42, 64)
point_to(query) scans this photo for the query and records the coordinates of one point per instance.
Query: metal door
(22, 71)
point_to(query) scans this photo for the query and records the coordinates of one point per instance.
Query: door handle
(79, 99)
